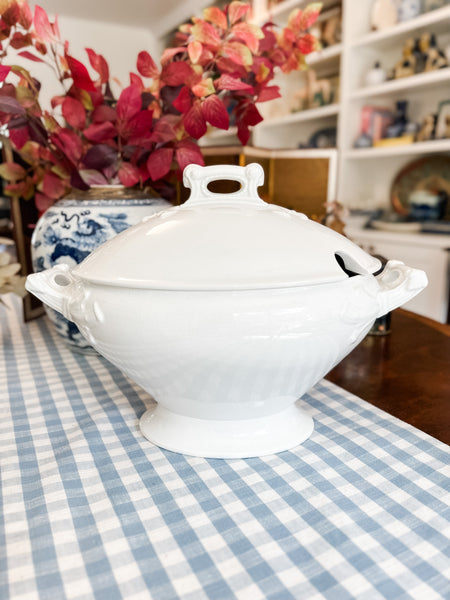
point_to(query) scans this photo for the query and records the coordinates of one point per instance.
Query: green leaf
(12, 171)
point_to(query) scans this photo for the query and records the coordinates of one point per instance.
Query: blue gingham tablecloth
(93, 510)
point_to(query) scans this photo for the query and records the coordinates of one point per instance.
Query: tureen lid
(224, 242)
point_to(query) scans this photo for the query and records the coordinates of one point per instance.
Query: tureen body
(226, 312)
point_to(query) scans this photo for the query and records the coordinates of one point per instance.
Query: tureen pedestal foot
(210, 438)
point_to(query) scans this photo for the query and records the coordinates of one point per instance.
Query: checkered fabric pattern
(92, 510)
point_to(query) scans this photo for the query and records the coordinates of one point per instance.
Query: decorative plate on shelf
(397, 226)
(430, 173)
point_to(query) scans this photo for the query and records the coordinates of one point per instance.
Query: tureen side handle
(54, 287)
(398, 284)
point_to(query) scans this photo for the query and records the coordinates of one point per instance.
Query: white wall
(120, 46)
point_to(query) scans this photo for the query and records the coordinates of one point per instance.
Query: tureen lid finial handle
(198, 178)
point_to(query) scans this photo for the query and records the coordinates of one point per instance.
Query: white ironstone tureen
(226, 309)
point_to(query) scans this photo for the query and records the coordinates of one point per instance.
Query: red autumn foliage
(218, 70)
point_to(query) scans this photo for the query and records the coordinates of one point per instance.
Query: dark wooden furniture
(406, 373)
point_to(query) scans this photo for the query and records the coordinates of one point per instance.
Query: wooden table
(406, 373)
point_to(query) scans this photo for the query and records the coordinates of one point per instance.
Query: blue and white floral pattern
(408, 9)
(70, 230)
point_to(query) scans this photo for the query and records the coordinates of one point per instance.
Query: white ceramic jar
(226, 310)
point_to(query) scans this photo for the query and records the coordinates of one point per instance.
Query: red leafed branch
(219, 68)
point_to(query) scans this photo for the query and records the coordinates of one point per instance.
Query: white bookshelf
(364, 175)
(311, 114)
(439, 78)
(410, 150)
(325, 56)
(281, 10)
(437, 20)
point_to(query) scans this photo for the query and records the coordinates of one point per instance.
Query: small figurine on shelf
(447, 127)
(335, 216)
(328, 30)
(419, 56)
(411, 129)
(443, 120)
(433, 4)
(422, 54)
(435, 58)
(398, 127)
(407, 65)
(426, 131)
(363, 141)
(447, 53)
(332, 30)
(316, 92)
(335, 84)
(424, 42)
(375, 75)
(400, 130)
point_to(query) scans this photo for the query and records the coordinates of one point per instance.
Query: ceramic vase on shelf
(408, 9)
(384, 14)
(78, 224)
(375, 75)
